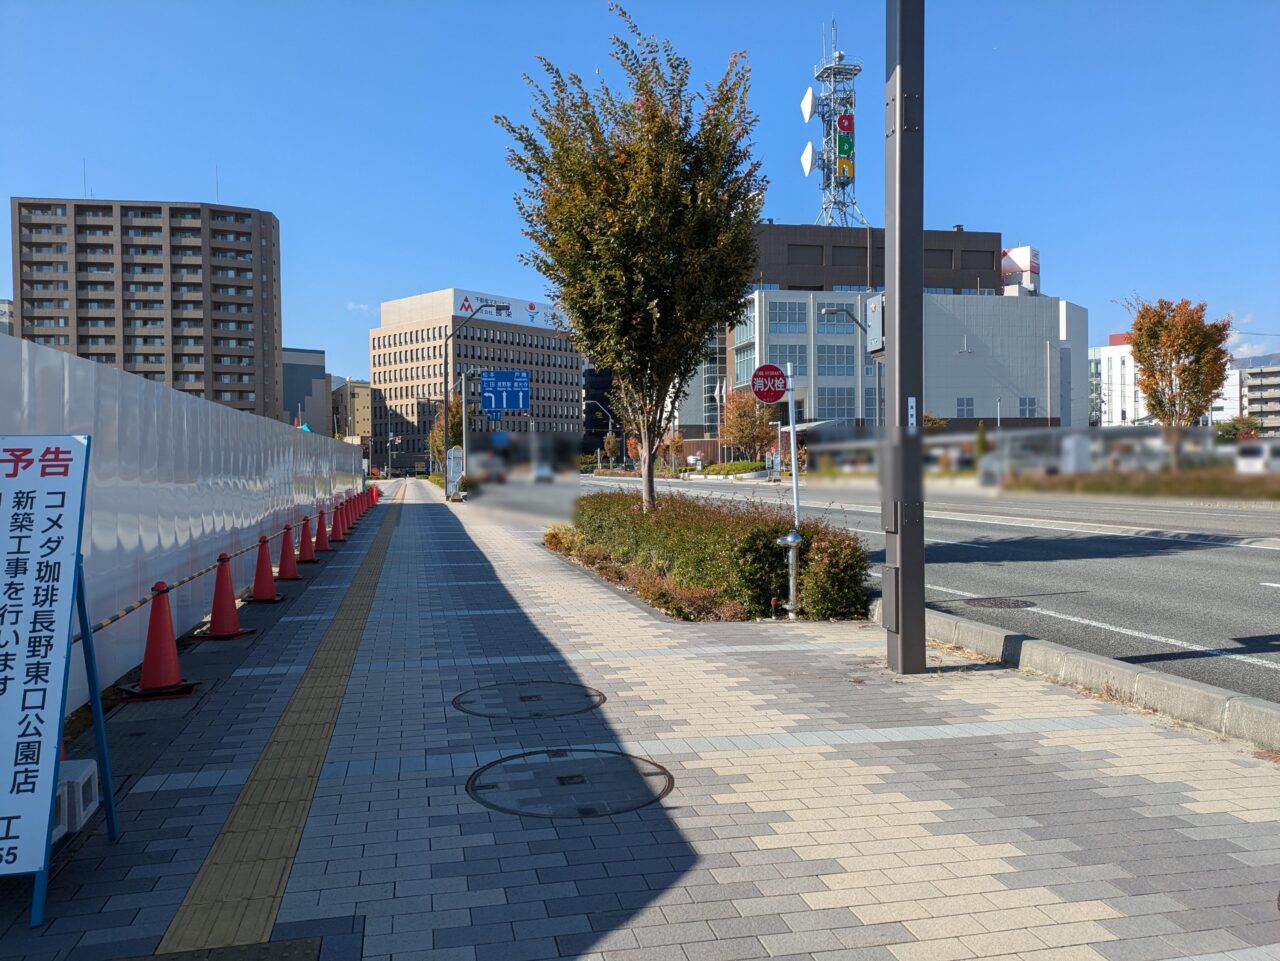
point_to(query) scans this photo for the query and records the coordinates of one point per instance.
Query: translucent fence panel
(174, 481)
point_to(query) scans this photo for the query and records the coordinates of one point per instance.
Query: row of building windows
(496, 335)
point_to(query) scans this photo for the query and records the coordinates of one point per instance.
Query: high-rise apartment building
(407, 354)
(181, 293)
(6, 316)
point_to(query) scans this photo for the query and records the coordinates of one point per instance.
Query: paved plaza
(453, 745)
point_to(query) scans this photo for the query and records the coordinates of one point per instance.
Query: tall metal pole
(902, 485)
(466, 418)
(795, 464)
(444, 431)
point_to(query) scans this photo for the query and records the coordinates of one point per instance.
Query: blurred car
(1258, 457)
(542, 473)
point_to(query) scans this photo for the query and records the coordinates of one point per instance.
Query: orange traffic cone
(374, 488)
(161, 675)
(339, 533)
(353, 515)
(224, 620)
(288, 563)
(306, 550)
(264, 585)
(322, 533)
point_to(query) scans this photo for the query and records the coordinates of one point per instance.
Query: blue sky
(1133, 142)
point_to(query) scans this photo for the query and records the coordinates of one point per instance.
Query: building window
(869, 405)
(964, 406)
(788, 317)
(836, 360)
(838, 404)
(840, 323)
(1026, 407)
(795, 354)
(744, 362)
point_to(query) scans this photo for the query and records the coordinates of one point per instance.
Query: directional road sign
(504, 390)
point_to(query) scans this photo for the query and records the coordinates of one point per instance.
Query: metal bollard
(792, 542)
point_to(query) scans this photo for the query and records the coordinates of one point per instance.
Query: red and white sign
(768, 383)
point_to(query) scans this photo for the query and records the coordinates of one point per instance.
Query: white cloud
(1242, 350)
(363, 308)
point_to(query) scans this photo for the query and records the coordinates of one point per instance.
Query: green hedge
(726, 548)
(734, 467)
(467, 483)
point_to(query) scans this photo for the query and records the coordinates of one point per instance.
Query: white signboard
(528, 312)
(42, 481)
(453, 472)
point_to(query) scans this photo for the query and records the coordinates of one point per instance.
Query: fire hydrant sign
(768, 383)
(42, 483)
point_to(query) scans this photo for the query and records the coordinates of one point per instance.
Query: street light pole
(444, 431)
(902, 487)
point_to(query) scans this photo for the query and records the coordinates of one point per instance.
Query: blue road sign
(495, 416)
(504, 390)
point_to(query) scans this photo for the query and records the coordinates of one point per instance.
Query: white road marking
(1159, 639)
(1265, 584)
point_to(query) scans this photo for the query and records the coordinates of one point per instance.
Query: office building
(406, 359)
(308, 390)
(1008, 361)
(6, 316)
(1115, 399)
(184, 294)
(352, 411)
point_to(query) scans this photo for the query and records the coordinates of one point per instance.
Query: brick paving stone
(962, 813)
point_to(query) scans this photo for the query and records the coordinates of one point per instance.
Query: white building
(1017, 360)
(1117, 402)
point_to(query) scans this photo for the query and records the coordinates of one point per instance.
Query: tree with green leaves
(1181, 362)
(641, 206)
(435, 439)
(1244, 427)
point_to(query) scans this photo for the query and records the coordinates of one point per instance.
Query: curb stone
(1213, 709)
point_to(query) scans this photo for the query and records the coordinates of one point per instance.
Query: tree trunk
(648, 453)
(1173, 441)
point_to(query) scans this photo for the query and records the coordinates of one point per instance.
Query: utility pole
(902, 486)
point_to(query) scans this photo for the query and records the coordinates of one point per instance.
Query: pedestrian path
(470, 749)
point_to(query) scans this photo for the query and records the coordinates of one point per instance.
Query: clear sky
(1134, 142)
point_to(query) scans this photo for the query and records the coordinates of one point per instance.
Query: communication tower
(834, 105)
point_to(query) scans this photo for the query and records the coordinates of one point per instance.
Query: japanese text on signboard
(41, 488)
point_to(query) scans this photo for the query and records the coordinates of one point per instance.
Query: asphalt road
(1190, 589)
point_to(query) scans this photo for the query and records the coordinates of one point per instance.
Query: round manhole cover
(1003, 603)
(528, 699)
(570, 783)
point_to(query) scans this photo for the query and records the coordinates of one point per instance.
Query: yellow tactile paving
(236, 895)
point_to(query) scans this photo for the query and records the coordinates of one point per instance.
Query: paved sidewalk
(527, 765)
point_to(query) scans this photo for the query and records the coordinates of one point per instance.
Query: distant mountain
(1262, 360)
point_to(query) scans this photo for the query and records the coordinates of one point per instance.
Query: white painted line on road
(935, 587)
(1263, 584)
(1184, 645)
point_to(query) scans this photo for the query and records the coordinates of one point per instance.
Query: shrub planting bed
(1198, 483)
(734, 467)
(701, 559)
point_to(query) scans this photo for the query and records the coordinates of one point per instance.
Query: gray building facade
(308, 390)
(184, 294)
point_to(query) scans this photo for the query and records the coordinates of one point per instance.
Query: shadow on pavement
(535, 826)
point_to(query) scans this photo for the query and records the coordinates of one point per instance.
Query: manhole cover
(570, 783)
(528, 699)
(1004, 603)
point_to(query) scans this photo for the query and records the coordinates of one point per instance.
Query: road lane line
(1159, 639)
(1265, 584)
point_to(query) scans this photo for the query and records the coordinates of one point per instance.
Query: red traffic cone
(288, 563)
(306, 550)
(161, 675)
(376, 495)
(339, 533)
(264, 585)
(353, 515)
(224, 621)
(322, 533)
